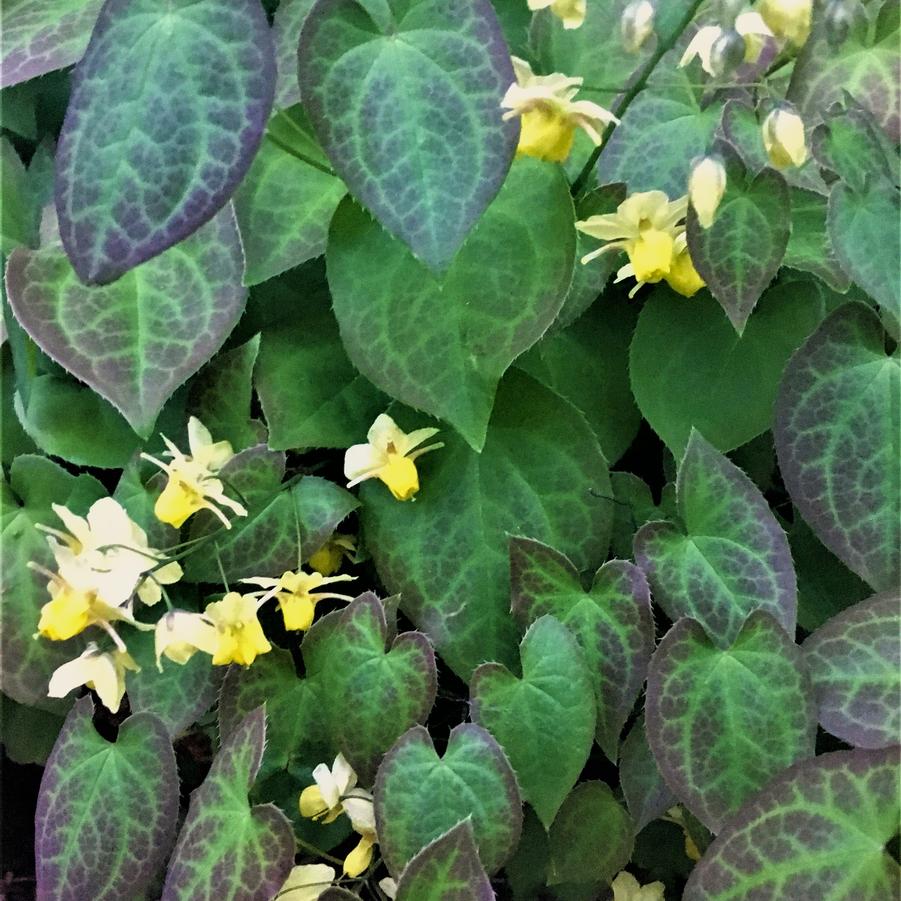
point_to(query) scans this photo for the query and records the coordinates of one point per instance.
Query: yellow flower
(389, 456)
(325, 800)
(749, 25)
(646, 226)
(682, 276)
(180, 634)
(240, 636)
(359, 859)
(294, 593)
(192, 484)
(570, 12)
(549, 116)
(329, 557)
(102, 671)
(789, 19)
(637, 24)
(706, 186)
(627, 888)
(783, 137)
(306, 882)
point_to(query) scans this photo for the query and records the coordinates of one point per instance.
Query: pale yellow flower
(789, 19)
(706, 186)
(240, 636)
(627, 888)
(331, 555)
(306, 882)
(783, 137)
(570, 12)
(682, 277)
(749, 25)
(102, 671)
(389, 455)
(192, 484)
(637, 24)
(294, 592)
(180, 634)
(549, 115)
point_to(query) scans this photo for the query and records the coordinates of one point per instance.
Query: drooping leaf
(373, 695)
(286, 26)
(837, 439)
(739, 255)
(29, 733)
(405, 99)
(544, 721)
(690, 369)
(526, 870)
(447, 869)
(611, 622)
(818, 830)
(441, 344)
(226, 848)
(647, 794)
(723, 721)
(17, 217)
(855, 666)
(27, 664)
(588, 363)
(136, 341)
(726, 558)
(42, 35)
(591, 838)
(106, 813)
(810, 246)
(419, 796)
(541, 474)
(181, 94)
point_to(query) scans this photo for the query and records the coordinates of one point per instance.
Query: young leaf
(818, 830)
(181, 94)
(723, 722)
(448, 869)
(419, 796)
(371, 695)
(855, 665)
(611, 622)
(541, 473)
(729, 556)
(838, 444)
(442, 344)
(591, 839)
(107, 811)
(136, 341)
(406, 103)
(226, 848)
(544, 721)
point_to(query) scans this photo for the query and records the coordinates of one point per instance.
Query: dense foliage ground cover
(451, 449)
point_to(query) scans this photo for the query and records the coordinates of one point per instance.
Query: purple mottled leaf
(646, 793)
(722, 722)
(167, 110)
(40, 36)
(728, 557)
(405, 100)
(855, 665)
(226, 848)
(136, 341)
(838, 442)
(447, 869)
(106, 813)
(819, 830)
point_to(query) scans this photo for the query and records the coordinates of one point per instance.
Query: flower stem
(312, 849)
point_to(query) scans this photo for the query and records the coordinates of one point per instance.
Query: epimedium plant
(451, 447)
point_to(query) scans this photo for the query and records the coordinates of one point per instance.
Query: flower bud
(637, 24)
(841, 17)
(788, 19)
(727, 53)
(783, 137)
(706, 186)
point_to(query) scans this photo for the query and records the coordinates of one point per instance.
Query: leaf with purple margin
(372, 694)
(810, 247)
(136, 341)
(544, 721)
(419, 796)
(442, 343)
(855, 666)
(34, 484)
(447, 869)
(837, 440)
(226, 848)
(739, 255)
(612, 623)
(408, 111)
(591, 839)
(647, 794)
(106, 813)
(727, 557)
(40, 36)
(818, 830)
(723, 721)
(180, 93)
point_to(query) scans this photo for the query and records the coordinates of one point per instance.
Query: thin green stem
(312, 849)
(221, 567)
(663, 48)
(297, 155)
